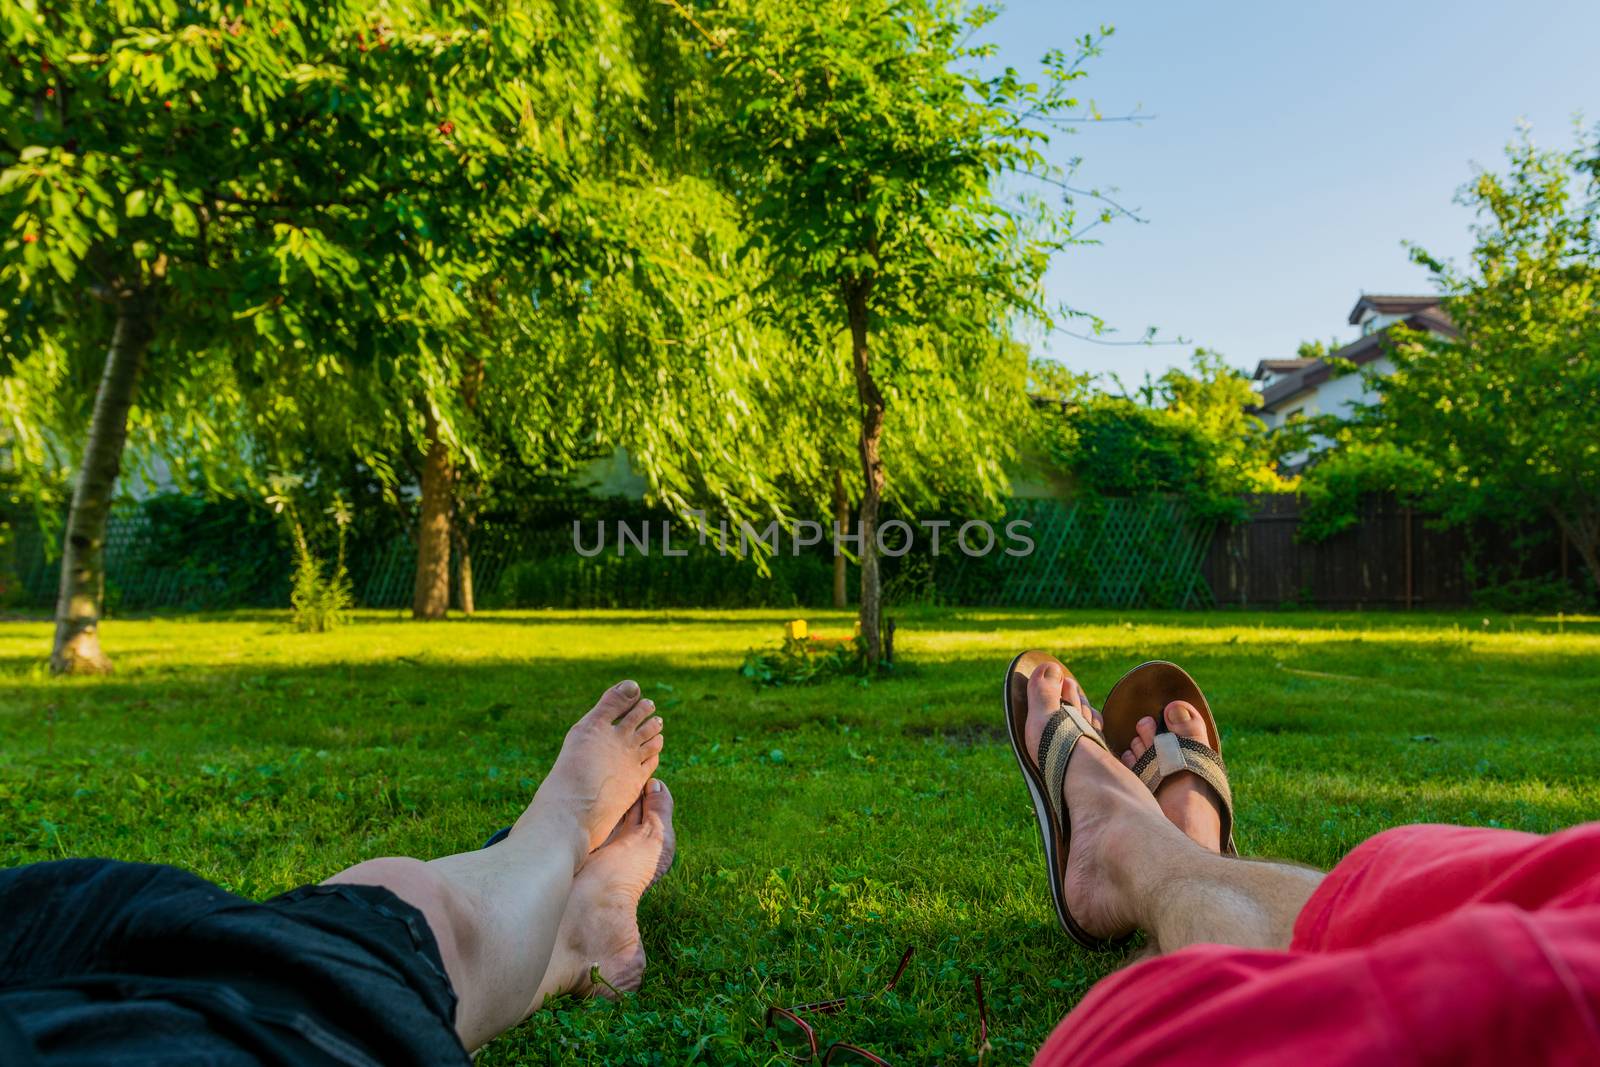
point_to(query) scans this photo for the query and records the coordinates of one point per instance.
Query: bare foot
(600, 928)
(606, 759)
(1101, 798)
(1185, 799)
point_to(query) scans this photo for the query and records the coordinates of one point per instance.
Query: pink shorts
(1427, 945)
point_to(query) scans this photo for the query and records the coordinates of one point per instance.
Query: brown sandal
(1147, 690)
(1046, 777)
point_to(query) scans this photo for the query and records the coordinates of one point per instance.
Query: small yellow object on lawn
(796, 630)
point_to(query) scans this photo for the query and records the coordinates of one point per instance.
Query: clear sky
(1294, 145)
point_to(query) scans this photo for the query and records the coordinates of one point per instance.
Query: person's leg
(496, 912)
(600, 928)
(1131, 867)
(1426, 944)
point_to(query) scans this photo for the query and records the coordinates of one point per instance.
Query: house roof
(1281, 366)
(1391, 304)
(1361, 351)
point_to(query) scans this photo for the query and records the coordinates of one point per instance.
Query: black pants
(129, 963)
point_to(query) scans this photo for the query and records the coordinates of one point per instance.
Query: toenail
(656, 785)
(628, 688)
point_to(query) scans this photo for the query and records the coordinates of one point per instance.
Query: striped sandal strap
(1062, 732)
(1172, 754)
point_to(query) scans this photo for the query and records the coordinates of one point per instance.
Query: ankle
(1146, 854)
(552, 827)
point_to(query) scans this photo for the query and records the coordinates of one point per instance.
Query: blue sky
(1294, 145)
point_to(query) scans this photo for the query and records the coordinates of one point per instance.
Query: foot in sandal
(1098, 797)
(1185, 798)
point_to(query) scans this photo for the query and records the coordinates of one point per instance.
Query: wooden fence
(1394, 557)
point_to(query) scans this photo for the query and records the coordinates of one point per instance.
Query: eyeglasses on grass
(797, 1039)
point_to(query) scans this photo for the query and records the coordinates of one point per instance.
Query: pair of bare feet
(1104, 800)
(622, 822)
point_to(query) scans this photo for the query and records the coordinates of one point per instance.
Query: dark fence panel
(1393, 557)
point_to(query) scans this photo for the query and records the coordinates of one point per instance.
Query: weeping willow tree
(867, 157)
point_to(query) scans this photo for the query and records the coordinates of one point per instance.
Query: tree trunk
(841, 517)
(430, 599)
(872, 473)
(1583, 531)
(83, 577)
(461, 530)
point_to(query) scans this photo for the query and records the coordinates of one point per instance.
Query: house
(1310, 386)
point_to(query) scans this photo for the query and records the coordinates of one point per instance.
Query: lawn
(820, 829)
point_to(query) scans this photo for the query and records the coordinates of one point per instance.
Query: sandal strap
(1172, 754)
(1061, 735)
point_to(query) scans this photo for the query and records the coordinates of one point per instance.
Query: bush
(205, 554)
(320, 600)
(1530, 596)
(806, 660)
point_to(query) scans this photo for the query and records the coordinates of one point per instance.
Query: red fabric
(1428, 945)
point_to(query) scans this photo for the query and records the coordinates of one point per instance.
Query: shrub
(320, 600)
(807, 660)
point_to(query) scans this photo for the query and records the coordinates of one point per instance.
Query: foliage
(1503, 421)
(807, 661)
(866, 159)
(269, 179)
(820, 829)
(1530, 595)
(261, 217)
(227, 546)
(1337, 479)
(320, 597)
(1187, 433)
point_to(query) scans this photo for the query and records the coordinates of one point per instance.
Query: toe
(1129, 759)
(1044, 698)
(1184, 720)
(658, 824)
(651, 727)
(1072, 692)
(656, 804)
(638, 714)
(1145, 734)
(1045, 689)
(651, 748)
(615, 702)
(1137, 746)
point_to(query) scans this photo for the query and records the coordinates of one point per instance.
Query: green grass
(820, 829)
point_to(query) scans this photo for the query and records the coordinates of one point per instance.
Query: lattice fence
(1143, 552)
(132, 582)
(1121, 553)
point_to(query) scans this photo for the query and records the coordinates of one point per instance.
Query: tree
(236, 204)
(866, 159)
(1507, 414)
(1188, 433)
